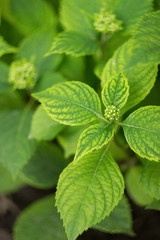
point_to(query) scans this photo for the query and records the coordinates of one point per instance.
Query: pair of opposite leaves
(90, 189)
(75, 103)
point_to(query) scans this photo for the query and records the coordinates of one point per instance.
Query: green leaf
(116, 91)
(144, 46)
(48, 80)
(73, 68)
(142, 131)
(40, 221)
(44, 167)
(4, 74)
(71, 103)
(68, 139)
(34, 47)
(5, 47)
(141, 77)
(138, 59)
(11, 100)
(73, 14)
(7, 183)
(155, 205)
(93, 188)
(32, 16)
(43, 127)
(73, 43)
(129, 13)
(150, 179)
(147, 39)
(134, 187)
(94, 137)
(119, 221)
(15, 147)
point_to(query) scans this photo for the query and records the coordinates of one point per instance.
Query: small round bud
(22, 74)
(106, 22)
(111, 113)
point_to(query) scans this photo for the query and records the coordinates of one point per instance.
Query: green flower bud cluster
(106, 22)
(112, 113)
(22, 74)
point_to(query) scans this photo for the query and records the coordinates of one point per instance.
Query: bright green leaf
(94, 137)
(147, 39)
(31, 16)
(40, 221)
(130, 11)
(71, 103)
(155, 205)
(44, 167)
(141, 78)
(73, 14)
(43, 127)
(138, 59)
(119, 221)
(5, 47)
(73, 43)
(150, 179)
(88, 191)
(134, 187)
(116, 91)
(142, 131)
(15, 147)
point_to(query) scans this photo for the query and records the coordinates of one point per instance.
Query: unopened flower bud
(106, 22)
(22, 74)
(111, 113)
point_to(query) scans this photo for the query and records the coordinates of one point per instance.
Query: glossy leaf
(15, 147)
(94, 137)
(150, 179)
(44, 168)
(119, 221)
(141, 78)
(73, 43)
(73, 15)
(43, 127)
(116, 91)
(138, 59)
(142, 131)
(40, 221)
(71, 103)
(88, 191)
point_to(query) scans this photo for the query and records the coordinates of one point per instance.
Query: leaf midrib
(100, 131)
(81, 204)
(138, 127)
(83, 106)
